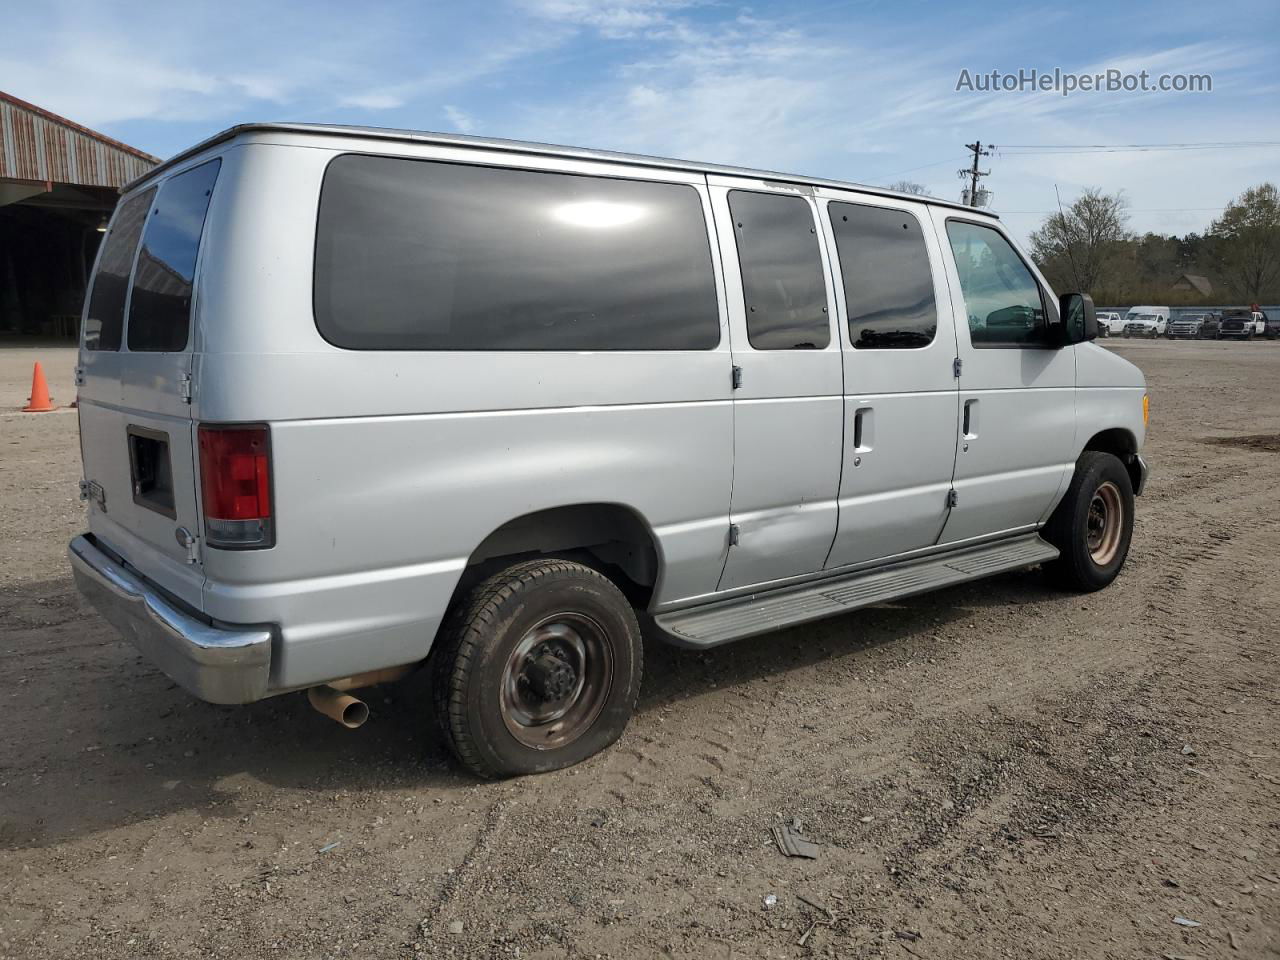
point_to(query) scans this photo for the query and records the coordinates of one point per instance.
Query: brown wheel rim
(1106, 520)
(556, 681)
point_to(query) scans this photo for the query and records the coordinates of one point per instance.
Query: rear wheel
(539, 670)
(1093, 525)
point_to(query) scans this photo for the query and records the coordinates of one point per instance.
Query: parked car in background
(1209, 327)
(1243, 324)
(1272, 325)
(1188, 327)
(1146, 322)
(1110, 324)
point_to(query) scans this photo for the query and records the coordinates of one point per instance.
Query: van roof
(547, 149)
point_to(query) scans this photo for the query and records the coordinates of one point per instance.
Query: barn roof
(39, 146)
(1199, 283)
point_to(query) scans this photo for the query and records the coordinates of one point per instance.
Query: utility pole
(971, 195)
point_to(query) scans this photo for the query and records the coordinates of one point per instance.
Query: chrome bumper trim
(217, 664)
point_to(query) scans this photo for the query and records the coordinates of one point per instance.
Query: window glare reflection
(597, 214)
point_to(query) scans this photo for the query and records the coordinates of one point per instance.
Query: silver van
(356, 401)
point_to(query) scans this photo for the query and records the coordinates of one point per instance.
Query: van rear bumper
(217, 663)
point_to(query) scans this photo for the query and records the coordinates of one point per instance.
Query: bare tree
(1079, 244)
(908, 186)
(1247, 241)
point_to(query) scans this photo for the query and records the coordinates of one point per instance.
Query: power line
(1055, 150)
(1127, 146)
(1065, 149)
(923, 166)
(1140, 210)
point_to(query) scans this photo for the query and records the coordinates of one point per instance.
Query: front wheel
(540, 669)
(1093, 525)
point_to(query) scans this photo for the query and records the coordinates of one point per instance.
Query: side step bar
(715, 623)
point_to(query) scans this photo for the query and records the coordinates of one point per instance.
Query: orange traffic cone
(40, 401)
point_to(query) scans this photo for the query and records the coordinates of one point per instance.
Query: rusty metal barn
(59, 182)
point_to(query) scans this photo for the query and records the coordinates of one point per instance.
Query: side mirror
(1080, 322)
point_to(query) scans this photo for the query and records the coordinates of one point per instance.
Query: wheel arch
(614, 538)
(1121, 443)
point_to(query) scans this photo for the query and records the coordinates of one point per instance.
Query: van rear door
(136, 433)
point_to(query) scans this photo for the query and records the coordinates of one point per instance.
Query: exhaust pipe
(334, 702)
(339, 706)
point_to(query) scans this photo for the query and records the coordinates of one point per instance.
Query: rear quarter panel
(390, 467)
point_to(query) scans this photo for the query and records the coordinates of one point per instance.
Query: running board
(713, 624)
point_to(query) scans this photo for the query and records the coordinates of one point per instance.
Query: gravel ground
(997, 770)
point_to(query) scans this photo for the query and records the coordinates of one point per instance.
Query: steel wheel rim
(1104, 523)
(556, 681)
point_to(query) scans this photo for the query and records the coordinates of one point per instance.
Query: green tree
(1246, 239)
(1076, 247)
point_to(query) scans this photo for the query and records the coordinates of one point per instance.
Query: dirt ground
(997, 770)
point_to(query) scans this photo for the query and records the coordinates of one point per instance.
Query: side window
(424, 255)
(160, 308)
(1001, 297)
(782, 277)
(104, 320)
(888, 284)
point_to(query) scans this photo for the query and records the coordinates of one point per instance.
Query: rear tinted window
(781, 265)
(421, 255)
(104, 320)
(888, 285)
(160, 308)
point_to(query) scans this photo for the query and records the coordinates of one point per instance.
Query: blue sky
(857, 91)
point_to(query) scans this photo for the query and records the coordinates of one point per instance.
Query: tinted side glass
(888, 284)
(160, 308)
(421, 255)
(104, 319)
(1001, 296)
(781, 271)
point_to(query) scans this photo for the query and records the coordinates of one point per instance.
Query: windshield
(1146, 318)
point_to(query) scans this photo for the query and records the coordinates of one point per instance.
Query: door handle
(863, 429)
(970, 424)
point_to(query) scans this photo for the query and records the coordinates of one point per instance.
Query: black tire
(483, 680)
(1082, 565)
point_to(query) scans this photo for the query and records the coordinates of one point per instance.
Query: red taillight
(235, 481)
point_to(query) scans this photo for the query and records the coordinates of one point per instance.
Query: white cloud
(612, 18)
(863, 106)
(644, 97)
(462, 122)
(373, 100)
(831, 91)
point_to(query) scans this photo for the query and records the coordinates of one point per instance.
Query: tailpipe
(339, 706)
